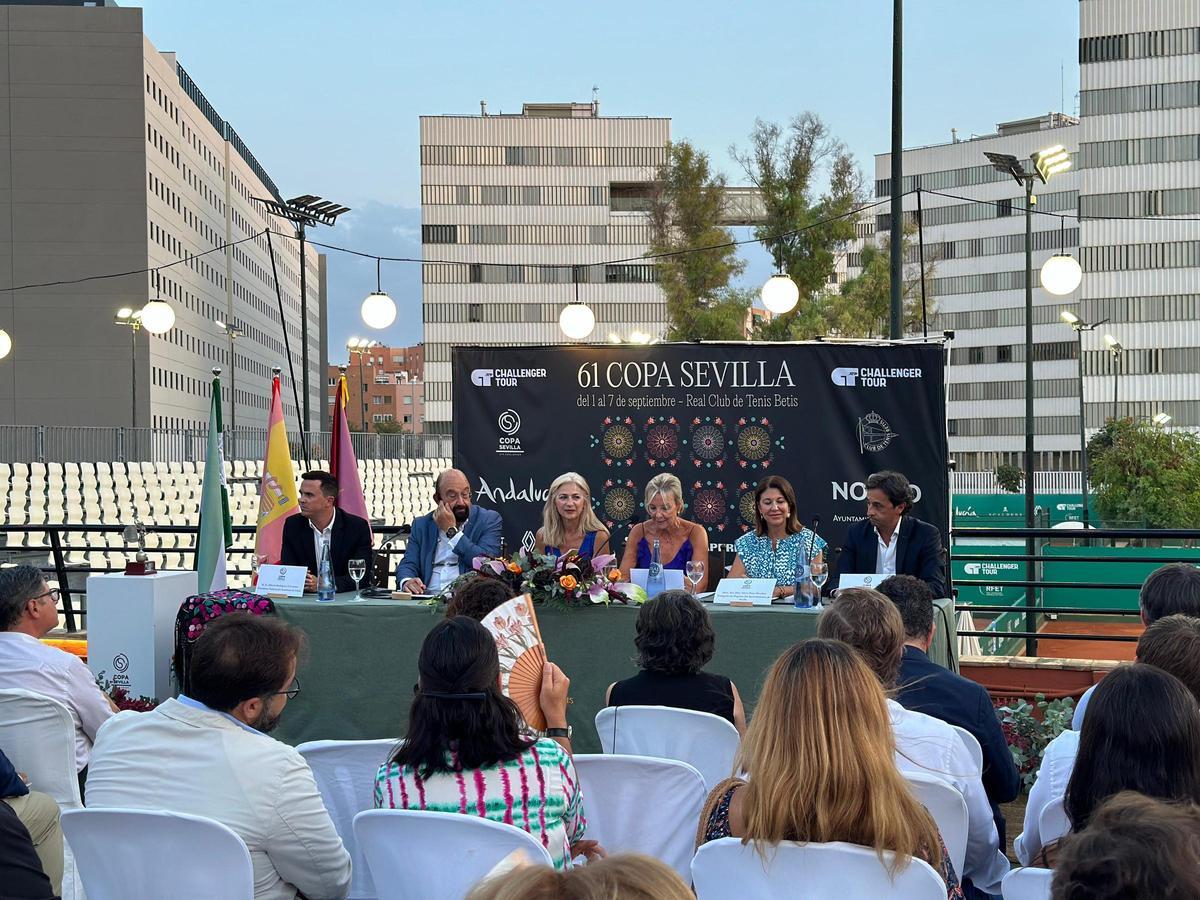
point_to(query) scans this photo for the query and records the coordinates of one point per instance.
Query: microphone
(382, 573)
(816, 523)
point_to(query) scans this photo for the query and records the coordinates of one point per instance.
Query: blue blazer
(926, 687)
(480, 537)
(918, 552)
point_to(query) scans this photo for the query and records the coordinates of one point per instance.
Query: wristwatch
(451, 532)
(560, 732)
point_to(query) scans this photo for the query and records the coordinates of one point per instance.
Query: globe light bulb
(158, 317)
(5, 344)
(576, 321)
(378, 310)
(780, 294)
(1061, 274)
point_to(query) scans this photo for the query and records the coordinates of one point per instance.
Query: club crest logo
(874, 433)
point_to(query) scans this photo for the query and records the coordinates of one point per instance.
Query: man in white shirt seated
(870, 623)
(28, 612)
(209, 754)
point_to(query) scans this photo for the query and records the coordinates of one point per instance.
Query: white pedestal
(131, 629)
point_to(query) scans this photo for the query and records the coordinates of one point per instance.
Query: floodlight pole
(304, 328)
(896, 330)
(1030, 501)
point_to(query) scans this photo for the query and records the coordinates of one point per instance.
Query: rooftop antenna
(596, 100)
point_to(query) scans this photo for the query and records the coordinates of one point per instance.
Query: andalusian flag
(216, 532)
(277, 498)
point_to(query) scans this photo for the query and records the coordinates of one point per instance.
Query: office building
(384, 384)
(516, 209)
(120, 163)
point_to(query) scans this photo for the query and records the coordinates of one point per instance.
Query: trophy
(140, 564)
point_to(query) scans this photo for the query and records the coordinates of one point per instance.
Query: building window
(1004, 353)
(439, 234)
(631, 197)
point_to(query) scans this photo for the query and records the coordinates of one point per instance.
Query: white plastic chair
(420, 855)
(699, 739)
(949, 811)
(345, 775)
(1027, 884)
(728, 868)
(124, 853)
(1053, 822)
(972, 745)
(640, 804)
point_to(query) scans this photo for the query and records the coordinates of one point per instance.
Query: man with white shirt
(870, 623)
(890, 540)
(210, 754)
(28, 612)
(444, 542)
(321, 523)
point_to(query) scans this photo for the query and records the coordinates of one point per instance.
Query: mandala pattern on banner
(616, 441)
(757, 443)
(745, 505)
(708, 442)
(661, 442)
(710, 506)
(618, 503)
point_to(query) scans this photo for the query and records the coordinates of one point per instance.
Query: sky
(327, 95)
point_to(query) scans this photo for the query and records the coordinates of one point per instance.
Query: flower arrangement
(1029, 727)
(565, 581)
(121, 697)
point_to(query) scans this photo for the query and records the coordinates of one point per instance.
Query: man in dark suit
(444, 542)
(890, 541)
(320, 521)
(928, 688)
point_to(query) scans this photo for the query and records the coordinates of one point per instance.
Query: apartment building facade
(385, 385)
(521, 213)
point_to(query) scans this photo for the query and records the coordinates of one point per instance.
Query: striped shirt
(538, 792)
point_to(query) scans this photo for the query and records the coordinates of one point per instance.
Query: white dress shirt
(28, 664)
(187, 758)
(885, 555)
(322, 536)
(1058, 761)
(445, 563)
(931, 747)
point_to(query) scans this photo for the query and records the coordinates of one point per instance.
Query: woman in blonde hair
(679, 541)
(568, 522)
(625, 876)
(820, 758)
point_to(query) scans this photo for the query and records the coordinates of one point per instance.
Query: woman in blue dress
(778, 540)
(568, 522)
(679, 541)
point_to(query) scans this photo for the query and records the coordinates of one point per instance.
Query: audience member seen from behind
(1170, 590)
(477, 597)
(870, 623)
(679, 541)
(568, 520)
(1173, 645)
(465, 750)
(819, 758)
(210, 754)
(675, 641)
(934, 690)
(625, 876)
(21, 873)
(778, 541)
(28, 612)
(1135, 846)
(38, 812)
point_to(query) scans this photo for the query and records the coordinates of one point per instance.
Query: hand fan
(522, 656)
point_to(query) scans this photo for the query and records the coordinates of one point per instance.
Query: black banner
(718, 416)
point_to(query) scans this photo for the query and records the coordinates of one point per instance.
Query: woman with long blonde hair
(568, 521)
(820, 759)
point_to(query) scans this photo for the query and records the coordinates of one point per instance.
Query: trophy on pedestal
(140, 564)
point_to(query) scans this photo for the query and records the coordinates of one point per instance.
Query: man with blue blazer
(926, 687)
(444, 542)
(890, 541)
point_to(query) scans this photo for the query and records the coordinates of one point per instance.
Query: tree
(1010, 478)
(863, 308)
(803, 228)
(389, 428)
(1142, 474)
(685, 215)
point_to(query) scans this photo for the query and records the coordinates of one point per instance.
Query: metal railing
(986, 483)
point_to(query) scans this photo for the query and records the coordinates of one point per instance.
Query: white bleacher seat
(1027, 884)
(700, 739)
(125, 853)
(728, 868)
(668, 796)
(345, 775)
(949, 811)
(399, 845)
(972, 745)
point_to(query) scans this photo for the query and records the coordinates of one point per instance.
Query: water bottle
(656, 582)
(325, 588)
(804, 589)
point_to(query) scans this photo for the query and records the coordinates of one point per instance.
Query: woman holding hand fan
(466, 749)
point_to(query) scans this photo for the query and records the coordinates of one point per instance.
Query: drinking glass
(256, 561)
(819, 572)
(357, 569)
(694, 573)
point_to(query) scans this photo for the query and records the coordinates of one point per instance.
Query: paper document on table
(745, 591)
(280, 581)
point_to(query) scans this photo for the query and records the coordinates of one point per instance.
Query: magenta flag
(343, 464)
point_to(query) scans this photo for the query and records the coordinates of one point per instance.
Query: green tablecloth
(357, 681)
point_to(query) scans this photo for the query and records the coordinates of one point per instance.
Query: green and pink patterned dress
(538, 792)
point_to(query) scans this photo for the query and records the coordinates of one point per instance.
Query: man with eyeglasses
(209, 753)
(28, 612)
(444, 542)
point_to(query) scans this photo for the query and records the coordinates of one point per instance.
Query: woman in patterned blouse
(778, 541)
(819, 757)
(465, 751)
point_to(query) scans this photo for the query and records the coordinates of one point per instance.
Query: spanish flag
(277, 497)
